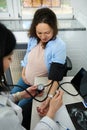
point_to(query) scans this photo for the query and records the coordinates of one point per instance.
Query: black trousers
(26, 111)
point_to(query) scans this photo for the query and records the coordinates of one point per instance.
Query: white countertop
(24, 24)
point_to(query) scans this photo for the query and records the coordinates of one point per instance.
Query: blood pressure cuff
(57, 71)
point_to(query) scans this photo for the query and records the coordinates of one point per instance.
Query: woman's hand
(50, 104)
(55, 104)
(32, 90)
(44, 107)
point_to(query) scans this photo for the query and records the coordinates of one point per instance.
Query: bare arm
(44, 107)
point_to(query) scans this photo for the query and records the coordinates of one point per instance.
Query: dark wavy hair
(7, 45)
(43, 15)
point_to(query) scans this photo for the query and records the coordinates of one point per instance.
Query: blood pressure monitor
(40, 88)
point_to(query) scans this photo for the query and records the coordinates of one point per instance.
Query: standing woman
(45, 52)
(10, 113)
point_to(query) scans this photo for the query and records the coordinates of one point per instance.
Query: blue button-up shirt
(55, 51)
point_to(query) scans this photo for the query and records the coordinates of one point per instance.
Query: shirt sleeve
(59, 52)
(9, 120)
(46, 123)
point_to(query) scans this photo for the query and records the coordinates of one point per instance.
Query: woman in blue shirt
(45, 53)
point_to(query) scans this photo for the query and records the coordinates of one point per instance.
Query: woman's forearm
(53, 88)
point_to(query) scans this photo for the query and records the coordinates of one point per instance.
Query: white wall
(80, 5)
(80, 10)
(76, 45)
(21, 36)
(77, 40)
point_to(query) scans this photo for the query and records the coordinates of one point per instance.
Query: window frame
(9, 13)
(15, 12)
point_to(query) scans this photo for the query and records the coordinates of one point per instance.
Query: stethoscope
(40, 89)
